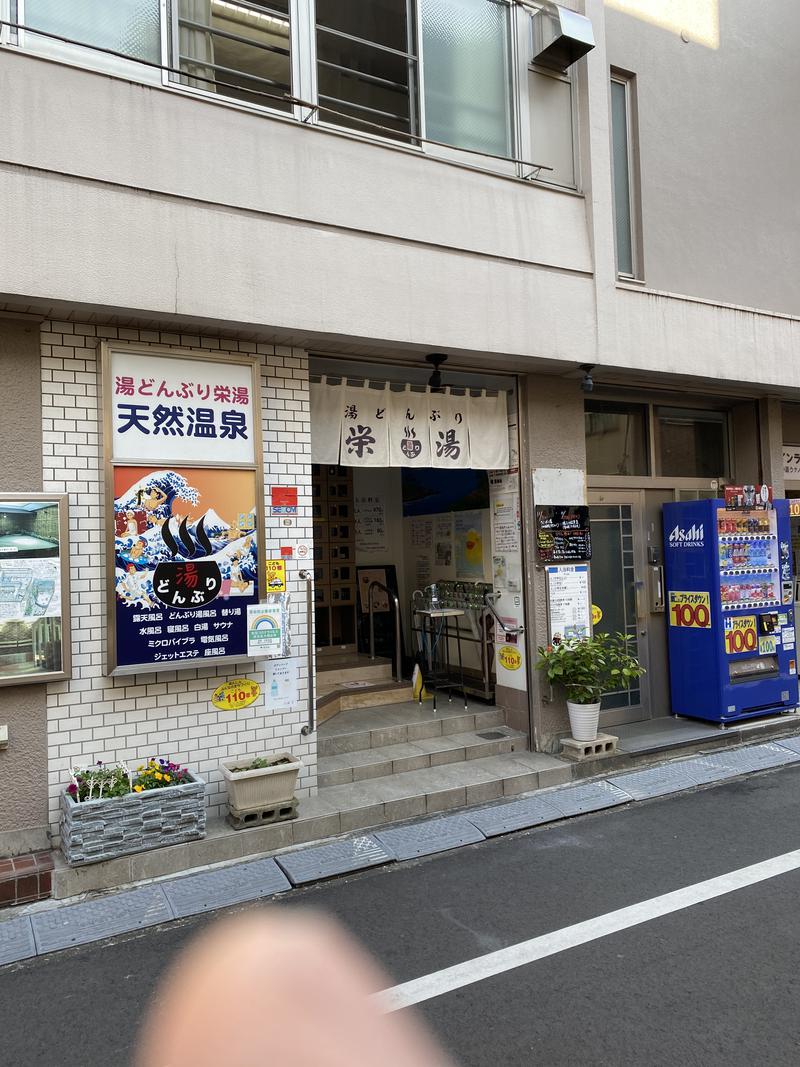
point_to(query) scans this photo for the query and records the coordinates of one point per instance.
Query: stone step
(341, 808)
(413, 756)
(380, 694)
(376, 727)
(366, 670)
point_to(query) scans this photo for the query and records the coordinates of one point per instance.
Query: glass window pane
(692, 443)
(236, 50)
(621, 173)
(465, 52)
(551, 127)
(362, 81)
(616, 438)
(381, 21)
(127, 26)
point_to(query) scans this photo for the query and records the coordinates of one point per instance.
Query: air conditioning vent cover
(560, 37)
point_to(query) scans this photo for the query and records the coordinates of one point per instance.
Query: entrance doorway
(618, 590)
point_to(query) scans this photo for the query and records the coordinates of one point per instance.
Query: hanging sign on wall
(365, 426)
(185, 499)
(563, 534)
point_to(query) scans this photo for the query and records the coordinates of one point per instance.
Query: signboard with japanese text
(791, 461)
(275, 576)
(741, 635)
(191, 410)
(568, 606)
(267, 628)
(692, 609)
(34, 589)
(185, 500)
(563, 534)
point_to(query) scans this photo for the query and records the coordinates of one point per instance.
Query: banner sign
(185, 507)
(365, 426)
(190, 410)
(34, 594)
(563, 534)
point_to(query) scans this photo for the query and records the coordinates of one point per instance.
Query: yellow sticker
(691, 610)
(509, 657)
(741, 634)
(275, 576)
(237, 694)
(597, 614)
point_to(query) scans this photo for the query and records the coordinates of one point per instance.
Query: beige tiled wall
(92, 717)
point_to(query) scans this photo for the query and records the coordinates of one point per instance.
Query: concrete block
(603, 745)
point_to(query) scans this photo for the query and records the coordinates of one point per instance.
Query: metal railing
(398, 670)
(511, 631)
(311, 725)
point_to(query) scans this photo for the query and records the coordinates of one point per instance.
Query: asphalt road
(717, 983)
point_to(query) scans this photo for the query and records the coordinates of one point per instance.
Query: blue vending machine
(729, 598)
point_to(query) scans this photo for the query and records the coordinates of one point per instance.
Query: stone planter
(583, 720)
(262, 789)
(105, 829)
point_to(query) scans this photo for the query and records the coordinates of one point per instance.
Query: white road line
(538, 948)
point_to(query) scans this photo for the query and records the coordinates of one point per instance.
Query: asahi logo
(691, 538)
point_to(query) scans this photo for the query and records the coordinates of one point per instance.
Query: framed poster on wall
(34, 588)
(185, 507)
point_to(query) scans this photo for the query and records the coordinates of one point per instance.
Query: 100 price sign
(690, 610)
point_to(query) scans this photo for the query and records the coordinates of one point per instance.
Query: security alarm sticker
(275, 576)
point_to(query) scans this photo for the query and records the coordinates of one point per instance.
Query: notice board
(563, 534)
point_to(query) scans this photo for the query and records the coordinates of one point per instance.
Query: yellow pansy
(138, 788)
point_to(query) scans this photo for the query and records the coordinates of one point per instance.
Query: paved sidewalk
(55, 925)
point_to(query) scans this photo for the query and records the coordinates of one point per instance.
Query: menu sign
(563, 534)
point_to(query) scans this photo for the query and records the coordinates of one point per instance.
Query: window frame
(628, 80)
(570, 78)
(86, 56)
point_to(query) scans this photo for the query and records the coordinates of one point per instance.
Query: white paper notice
(568, 601)
(280, 683)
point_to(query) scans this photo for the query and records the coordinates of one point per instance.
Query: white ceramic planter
(258, 790)
(583, 720)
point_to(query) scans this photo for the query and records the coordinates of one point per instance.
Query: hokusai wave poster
(185, 563)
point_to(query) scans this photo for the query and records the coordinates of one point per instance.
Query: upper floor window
(442, 74)
(237, 48)
(367, 65)
(130, 27)
(624, 175)
(467, 74)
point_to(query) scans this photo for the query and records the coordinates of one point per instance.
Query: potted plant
(109, 810)
(586, 669)
(260, 784)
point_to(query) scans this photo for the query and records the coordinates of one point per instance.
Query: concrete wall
(23, 765)
(551, 435)
(719, 157)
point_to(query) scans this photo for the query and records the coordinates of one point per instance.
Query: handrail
(398, 671)
(511, 631)
(308, 578)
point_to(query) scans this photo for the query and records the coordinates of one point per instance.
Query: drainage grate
(425, 838)
(92, 920)
(338, 857)
(16, 940)
(493, 735)
(225, 886)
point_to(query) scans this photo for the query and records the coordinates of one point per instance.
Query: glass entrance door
(618, 565)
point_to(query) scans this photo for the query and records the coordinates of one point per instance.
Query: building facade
(321, 190)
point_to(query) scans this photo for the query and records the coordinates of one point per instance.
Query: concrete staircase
(396, 761)
(355, 681)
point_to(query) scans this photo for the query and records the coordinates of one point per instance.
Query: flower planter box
(261, 789)
(105, 829)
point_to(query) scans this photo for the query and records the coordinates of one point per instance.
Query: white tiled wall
(92, 717)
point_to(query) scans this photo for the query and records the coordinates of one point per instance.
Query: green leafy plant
(587, 669)
(106, 780)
